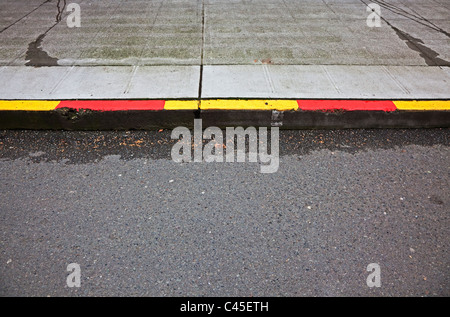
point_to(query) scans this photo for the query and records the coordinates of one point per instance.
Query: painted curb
(288, 114)
(226, 104)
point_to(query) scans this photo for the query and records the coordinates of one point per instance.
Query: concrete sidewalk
(269, 49)
(228, 81)
(210, 32)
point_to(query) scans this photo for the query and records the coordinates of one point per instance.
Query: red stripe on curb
(348, 105)
(113, 105)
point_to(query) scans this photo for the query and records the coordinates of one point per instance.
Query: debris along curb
(286, 114)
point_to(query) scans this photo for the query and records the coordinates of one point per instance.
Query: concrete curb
(286, 114)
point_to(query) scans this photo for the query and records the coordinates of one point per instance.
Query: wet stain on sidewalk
(35, 55)
(431, 57)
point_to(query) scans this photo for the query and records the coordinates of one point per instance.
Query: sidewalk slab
(326, 82)
(237, 81)
(183, 32)
(102, 82)
(20, 82)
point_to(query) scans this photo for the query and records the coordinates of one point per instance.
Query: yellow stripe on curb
(181, 105)
(431, 105)
(28, 105)
(281, 105)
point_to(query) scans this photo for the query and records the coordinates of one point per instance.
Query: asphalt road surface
(139, 224)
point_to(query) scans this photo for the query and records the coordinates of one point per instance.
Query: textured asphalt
(139, 224)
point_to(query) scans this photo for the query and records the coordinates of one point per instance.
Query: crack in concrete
(60, 11)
